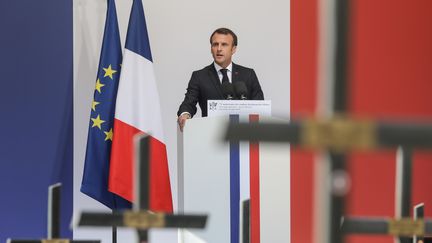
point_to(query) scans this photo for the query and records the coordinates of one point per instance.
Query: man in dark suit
(206, 84)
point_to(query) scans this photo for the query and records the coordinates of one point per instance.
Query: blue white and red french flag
(99, 140)
(138, 111)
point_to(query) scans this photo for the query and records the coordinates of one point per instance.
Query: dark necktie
(224, 75)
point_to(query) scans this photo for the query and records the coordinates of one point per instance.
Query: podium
(215, 177)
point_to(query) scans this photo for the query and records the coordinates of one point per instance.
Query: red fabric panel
(391, 58)
(390, 77)
(254, 188)
(122, 155)
(390, 63)
(121, 166)
(304, 34)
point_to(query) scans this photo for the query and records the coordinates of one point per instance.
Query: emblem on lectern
(213, 105)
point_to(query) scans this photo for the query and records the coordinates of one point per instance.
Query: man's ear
(234, 49)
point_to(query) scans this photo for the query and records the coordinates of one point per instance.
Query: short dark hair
(225, 31)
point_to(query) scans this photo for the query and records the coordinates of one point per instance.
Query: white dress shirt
(229, 72)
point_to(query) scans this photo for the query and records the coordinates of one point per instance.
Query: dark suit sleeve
(256, 92)
(191, 97)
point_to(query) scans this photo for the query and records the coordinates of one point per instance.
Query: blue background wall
(36, 118)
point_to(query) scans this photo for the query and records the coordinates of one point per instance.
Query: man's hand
(181, 120)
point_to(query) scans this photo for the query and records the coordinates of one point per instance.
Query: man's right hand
(181, 120)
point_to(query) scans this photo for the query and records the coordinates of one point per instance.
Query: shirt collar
(217, 67)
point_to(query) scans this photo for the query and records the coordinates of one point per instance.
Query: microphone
(228, 90)
(241, 90)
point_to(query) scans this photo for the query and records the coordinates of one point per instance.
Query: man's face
(222, 49)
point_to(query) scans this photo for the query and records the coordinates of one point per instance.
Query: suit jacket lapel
(215, 79)
(235, 73)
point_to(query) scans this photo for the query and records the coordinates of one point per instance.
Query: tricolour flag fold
(138, 111)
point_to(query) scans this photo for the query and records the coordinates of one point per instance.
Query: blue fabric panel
(36, 113)
(234, 185)
(134, 36)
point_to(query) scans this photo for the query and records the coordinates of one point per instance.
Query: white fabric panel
(138, 92)
(275, 206)
(244, 167)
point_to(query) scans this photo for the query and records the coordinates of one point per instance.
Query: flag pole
(114, 234)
